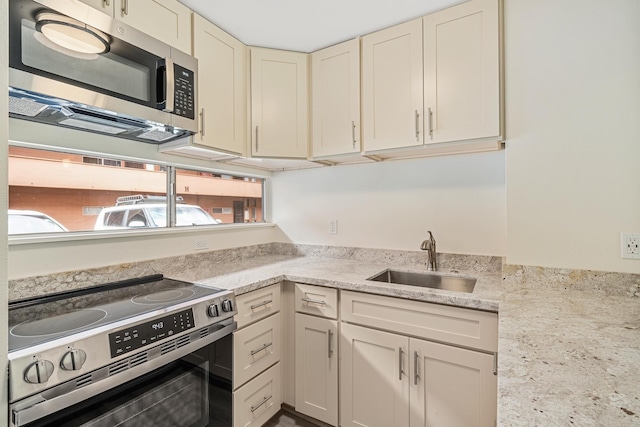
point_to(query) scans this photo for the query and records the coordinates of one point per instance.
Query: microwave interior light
(72, 34)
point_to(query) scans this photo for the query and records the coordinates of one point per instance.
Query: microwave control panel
(184, 92)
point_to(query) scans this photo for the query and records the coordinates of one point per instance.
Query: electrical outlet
(630, 245)
(333, 226)
(201, 244)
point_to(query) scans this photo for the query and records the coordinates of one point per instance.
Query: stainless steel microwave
(71, 65)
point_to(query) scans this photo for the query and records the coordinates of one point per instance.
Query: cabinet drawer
(317, 300)
(454, 325)
(255, 348)
(257, 305)
(258, 400)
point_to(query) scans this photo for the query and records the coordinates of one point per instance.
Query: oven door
(194, 390)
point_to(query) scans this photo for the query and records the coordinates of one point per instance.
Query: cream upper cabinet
(279, 103)
(392, 89)
(462, 72)
(451, 386)
(335, 95)
(374, 382)
(167, 20)
(222, 68)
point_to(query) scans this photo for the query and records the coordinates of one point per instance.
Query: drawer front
(255, 348)
(257, 305)
(454, 325)
(317, 300)
(259, 399)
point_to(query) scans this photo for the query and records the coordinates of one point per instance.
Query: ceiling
(306, 25)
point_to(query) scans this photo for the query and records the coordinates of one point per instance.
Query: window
(52, 191)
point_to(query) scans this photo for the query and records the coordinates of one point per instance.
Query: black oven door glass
(183, 393)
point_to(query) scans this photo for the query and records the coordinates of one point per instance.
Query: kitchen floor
(284, 419)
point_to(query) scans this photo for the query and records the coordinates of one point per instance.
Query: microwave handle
(167, 86)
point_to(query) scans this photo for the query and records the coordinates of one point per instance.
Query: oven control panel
(138, 336)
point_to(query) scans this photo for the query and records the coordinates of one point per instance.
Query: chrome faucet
(430, 246)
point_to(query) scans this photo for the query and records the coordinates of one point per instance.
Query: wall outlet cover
(630, 245)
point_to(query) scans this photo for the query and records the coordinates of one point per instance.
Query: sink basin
(425, 280)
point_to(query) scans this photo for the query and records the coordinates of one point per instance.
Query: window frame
(170, 167)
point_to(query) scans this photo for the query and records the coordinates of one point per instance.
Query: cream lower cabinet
(374, 389)
(257, 350)
(167, 20)
(388, 379)
(316, 352)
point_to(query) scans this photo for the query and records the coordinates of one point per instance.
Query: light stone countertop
(566, 357)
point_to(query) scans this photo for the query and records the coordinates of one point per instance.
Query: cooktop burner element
(163, 297)
(64, 323)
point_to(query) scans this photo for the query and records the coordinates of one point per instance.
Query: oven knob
(73, 360)
(212, 310)
(227, 305)
(38, 372)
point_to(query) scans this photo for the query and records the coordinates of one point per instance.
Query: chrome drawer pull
(313, 301)
(263, 303)
(265, 400)
(264, 347)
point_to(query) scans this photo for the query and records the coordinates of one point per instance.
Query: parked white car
(147, 212)
(28, 222)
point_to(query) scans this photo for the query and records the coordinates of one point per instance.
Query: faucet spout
(429, 245)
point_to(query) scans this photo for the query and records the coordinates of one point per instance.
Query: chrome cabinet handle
(264, 347)
(495, 363)
(256, 139)
(415, 368)
(400, 351)
(353, 133)
(202, 121)
(313, 301)
(330, 344)
(265, 400)
(125, 7)
(417, 126)
(430, 123)
(263, 303)
(106, 3)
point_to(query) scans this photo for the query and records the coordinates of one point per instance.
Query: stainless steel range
(148, 351)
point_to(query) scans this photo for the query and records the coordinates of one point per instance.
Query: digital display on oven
(135, 337)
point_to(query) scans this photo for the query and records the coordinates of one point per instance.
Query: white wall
(392, 204)
(573, 128)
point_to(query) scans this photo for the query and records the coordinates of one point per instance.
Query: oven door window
(182, 393)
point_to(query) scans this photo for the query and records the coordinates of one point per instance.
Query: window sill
(125, 234)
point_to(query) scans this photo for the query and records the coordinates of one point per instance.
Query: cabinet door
(392, 87)
(335, 86)
(462, 72)
(279, 103)
(104, 6)
(167, 20)
(451, 386)
(374, 384)
(221, 87)
(317, 368)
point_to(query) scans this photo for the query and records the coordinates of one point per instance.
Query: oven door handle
(35, 407)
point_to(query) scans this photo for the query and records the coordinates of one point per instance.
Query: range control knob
(73, 360)
(38, 372)
(212, 310)
(227, 305)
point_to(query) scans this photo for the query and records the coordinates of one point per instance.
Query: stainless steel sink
(426, 280)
